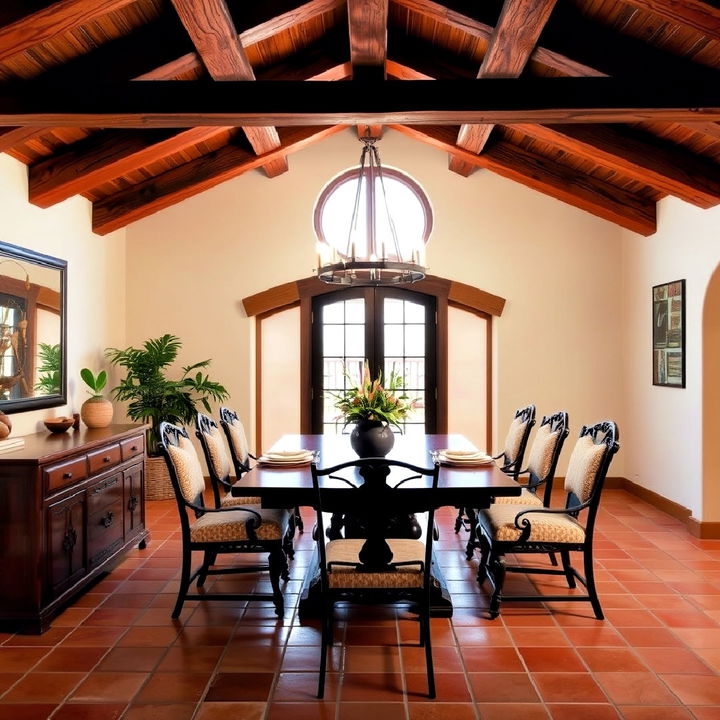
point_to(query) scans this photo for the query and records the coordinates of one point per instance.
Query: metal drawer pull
(67, 475)
(107, 520)
(134, 448)
(107, 458)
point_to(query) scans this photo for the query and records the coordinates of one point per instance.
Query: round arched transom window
(391, 198)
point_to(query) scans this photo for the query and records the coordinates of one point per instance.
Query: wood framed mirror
(33, 330)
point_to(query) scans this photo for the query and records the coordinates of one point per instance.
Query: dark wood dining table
(465, 486)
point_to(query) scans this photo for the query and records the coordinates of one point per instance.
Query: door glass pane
(393, 340)
(415, 340)
(414, 312)
(355, 311)
(393, 310)
(333, 341)
(354, 340)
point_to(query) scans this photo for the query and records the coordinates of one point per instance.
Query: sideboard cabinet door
(66, 543)
(134, 506)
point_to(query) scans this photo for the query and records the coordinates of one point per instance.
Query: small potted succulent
(96, 411)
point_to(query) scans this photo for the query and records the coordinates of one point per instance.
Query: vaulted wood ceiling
(139, 104)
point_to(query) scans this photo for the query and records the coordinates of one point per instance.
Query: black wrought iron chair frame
(492, 562)
(277, 563)
(227, 418)
(378, 500)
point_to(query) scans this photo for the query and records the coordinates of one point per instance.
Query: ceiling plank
(509, 48)
(11, 136)
(58, 18)
(194, 177)
(367, 26)
(103, 157)
(445, 102)
(563, 183)
(696, 14)
(661, 166)
(211, 28)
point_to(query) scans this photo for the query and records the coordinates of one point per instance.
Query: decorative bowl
(58, 424)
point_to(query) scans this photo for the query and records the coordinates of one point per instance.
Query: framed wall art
(669, 334)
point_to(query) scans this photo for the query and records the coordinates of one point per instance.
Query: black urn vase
(372, 438)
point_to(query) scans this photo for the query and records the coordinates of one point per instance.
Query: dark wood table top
(457, 486)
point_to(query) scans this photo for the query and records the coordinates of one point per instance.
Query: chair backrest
(368, 490)
(186, 473)
(588, 466)
(545, 452)
(217, 457)
(237, 440)
(516, 440)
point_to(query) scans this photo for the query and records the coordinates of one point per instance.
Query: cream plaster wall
(662, 441)
(96, 278)
(557, 343)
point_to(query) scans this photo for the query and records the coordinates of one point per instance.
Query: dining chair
(523, 529)
(511, 459)
(219, 466)
(377, 568)
(219, 530)
(241, 455)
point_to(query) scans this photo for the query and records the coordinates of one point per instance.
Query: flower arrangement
(372, 400)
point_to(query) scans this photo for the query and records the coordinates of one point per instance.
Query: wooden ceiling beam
(445, 102)
(699, 15)
(103, 157)
(194, 177)
(56, 19)
(367, 27)
(11, 136)
(661, 166)
(212, 31)
(550, 178)
(511, 43)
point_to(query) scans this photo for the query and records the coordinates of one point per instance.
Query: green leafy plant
(49, 361)
(152, 396)
(95, 382)
(371, 400)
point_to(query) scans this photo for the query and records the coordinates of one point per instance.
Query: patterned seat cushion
(345, 576)
(230, 526)
(525, 498)
(229, 501)
(499, 522)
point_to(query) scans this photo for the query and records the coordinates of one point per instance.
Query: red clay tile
(502, 687)
(376, 710)
(166, 687)
(149, 636)
(538, 637)
(26, 712)
(172, 711)
(317, 710)
(611, 659)
(568, 687)
(239, 687)
(190, 660)
(650, 637)
(232, 711)
(296, 687)
(370, 659)
(694, 689)
(551, 659)
(7, 680)
(636, 688)
(110, 686)
(440, 711)
(371, 687)
(240, 658)
(71, 659)
(94, 711)
(20, 659)
(673, 660)
(586, 712)
(131, 659)
(49, 638)
(44, 687)
(506, 711)
(449, 687)
(667, 712)
(94, 637)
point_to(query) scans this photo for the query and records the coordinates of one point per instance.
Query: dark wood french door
(392, 329)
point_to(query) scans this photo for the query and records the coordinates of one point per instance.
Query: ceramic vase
(96, 412)
(372, 438)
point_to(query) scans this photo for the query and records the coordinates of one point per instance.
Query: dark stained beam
(58, 18)
(699, 15)
(194, 177)
(213, 33)
(11, 136)
(512, 42)
(660, 165)
(444, 102)
(367, 26)
(550, 178)
(103, 157)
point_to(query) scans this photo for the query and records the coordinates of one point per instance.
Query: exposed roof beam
(11, 136)
(213, 33)
(445, 102)
(250, 36)
(664, 167)
(550, 178)
(103, 157)
(60, 17)
(194, 177)
(509, 48)
(699, 15)
(367, 25)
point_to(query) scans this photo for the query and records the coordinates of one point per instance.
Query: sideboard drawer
(104, 533)
(105, 457)
(132, 447)
(105, 493)
(64, 474)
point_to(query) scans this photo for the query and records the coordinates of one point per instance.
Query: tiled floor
(117, 654)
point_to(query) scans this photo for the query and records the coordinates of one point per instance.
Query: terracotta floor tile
(94, 637)
(165, 711)
(131, 659)
(449, 687)
(113, 616)
(694, 689)
(240, 658)
(233, 711)
(20, 659)
(551, 659)
(317, 710)
(166, 687)
(538, 637)
(711, 656)
(440, 711)
(71, 659)
(36, 711)
(586, 712)
(161, 636)
(371, 687)
(302, 687)
(594, 637)
(699, 637)
(43, 687)
(485, 636)
(667, 712)
(110, 686)
(650, 637)
(506, 711)
(376, 710)
(706, 712)
(632, 618)
(568, 687)
(94, 711)
(307, 657)
(502, 687)
(636, 688)
(369, 659)
(492, 659)
(611, 660)
(240, 687)
(7, 680)
(190, 660)
(673, 660)
(49, 638)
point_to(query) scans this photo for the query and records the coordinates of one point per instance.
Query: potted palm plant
(153, 397)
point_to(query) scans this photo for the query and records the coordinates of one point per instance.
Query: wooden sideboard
(70, 505)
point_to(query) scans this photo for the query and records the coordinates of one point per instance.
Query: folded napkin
(288, 453)
(287, 457)
(462, 453)
(464, 457)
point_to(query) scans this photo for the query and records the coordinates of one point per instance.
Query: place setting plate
(462, 458)
(287, 458)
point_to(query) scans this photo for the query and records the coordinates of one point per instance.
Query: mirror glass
(32, 330)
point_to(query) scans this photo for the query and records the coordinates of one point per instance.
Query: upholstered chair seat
(499, 523)
(525, 498)
(228, 500)
(233, 526)
(347, 576)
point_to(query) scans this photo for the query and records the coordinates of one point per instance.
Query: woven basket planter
(157, 480)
